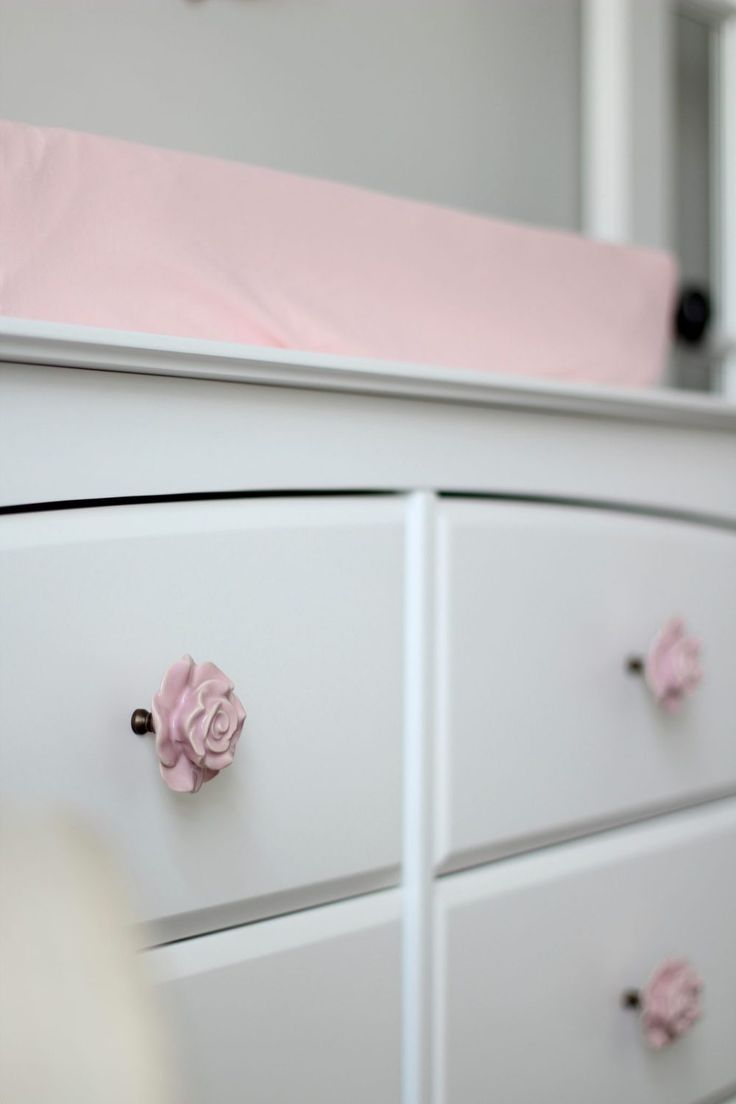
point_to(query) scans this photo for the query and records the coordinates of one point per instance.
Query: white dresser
(458, 827)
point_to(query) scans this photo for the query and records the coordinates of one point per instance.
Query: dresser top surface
(66, 346)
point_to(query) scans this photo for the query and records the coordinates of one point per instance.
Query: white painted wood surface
(151, 435)
(533, 956)
(301, 604)
(627, 121)
(52, 343)
(726, 123)
(333, 617)
(417, 871)
(540, 729)
(302, 1008)
(607, 119)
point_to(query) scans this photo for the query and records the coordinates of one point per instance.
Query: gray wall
(471, 103)
(692, 182)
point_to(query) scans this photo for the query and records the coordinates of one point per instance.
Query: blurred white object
(77, 1022)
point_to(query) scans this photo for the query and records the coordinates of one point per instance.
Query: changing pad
(108, 233)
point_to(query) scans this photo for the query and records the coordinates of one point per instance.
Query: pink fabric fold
(101, 232)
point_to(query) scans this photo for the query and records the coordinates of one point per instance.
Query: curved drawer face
(535, 954)
(300, 602)
(300, 1008)
(542, 732)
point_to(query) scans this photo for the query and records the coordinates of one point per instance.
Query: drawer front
(541, 729)
(535, 954)
(300, 603)
(300, 1008)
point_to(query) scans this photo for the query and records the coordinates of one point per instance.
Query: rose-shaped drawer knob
(669, 1004)
(197, 720)
(671, 667)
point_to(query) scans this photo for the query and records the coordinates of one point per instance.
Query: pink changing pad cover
(101, 232)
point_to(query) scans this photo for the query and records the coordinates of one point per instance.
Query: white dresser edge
(67, 346)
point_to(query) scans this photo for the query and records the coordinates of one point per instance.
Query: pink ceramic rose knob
(671, 667)
(669, 1003)
(197, 720)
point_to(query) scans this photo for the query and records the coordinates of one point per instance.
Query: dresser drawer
(300, 1008)
(541, 729)
(535, 954)
(300, 602)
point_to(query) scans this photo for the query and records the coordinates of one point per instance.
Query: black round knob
(693, 315)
